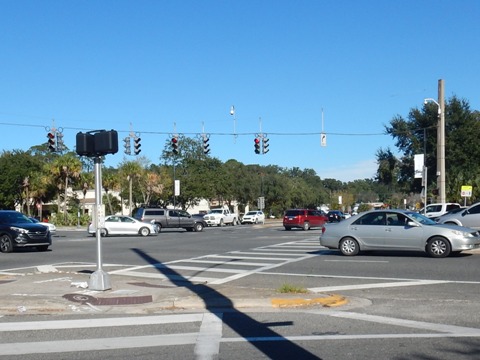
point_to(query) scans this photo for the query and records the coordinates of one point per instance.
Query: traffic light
(127, 145)
(60, 143)
(175, 145)
(257, 145)
(136, 145)
(264, 145)
(51, 141)
(206, 145)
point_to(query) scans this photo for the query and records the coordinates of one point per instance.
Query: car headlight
(462, 233)
(19, 230)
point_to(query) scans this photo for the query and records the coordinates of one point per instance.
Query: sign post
(466, 191)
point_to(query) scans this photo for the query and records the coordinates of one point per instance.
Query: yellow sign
(466, 191)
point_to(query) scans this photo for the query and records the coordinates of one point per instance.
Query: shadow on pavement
(272, 344)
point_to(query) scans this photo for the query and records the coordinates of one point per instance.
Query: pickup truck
(436, 210)
(170, 218)
(220, 217)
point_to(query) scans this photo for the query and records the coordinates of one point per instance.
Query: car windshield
(217, 211)
(292, 213)
(421, 218)
(252, 213)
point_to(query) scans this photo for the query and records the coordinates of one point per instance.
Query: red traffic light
(174, 140)
(257, 140)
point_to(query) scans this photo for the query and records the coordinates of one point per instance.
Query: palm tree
(130, 170)
(65, 168)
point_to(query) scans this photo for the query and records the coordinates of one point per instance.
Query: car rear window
(154, 212)
(452, 206)
(293, 213)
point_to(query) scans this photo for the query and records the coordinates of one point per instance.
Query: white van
(436, 210)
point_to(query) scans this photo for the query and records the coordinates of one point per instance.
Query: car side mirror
(412, 224)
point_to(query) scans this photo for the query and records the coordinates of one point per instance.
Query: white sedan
(253, 217)
(51, 227)
(123, 225)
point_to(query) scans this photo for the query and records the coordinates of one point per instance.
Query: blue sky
(159, 66)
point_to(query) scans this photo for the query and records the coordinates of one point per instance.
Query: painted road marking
(209, 338)
(376, 285)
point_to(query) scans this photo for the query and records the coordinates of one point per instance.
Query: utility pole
(441, 142)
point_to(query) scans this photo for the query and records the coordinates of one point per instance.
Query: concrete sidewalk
(48, 290)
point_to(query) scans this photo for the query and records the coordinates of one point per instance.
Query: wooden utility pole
(441, 142)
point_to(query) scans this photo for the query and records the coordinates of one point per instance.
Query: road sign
(466, 191)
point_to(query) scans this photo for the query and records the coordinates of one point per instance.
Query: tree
(417, 135)
(16, 165)
(65, 169)
(130, 172)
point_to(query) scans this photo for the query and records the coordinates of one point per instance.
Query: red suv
(304, 219)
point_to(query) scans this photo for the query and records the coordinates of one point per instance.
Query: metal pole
(441, 148)
(425, 171)
(99, 280)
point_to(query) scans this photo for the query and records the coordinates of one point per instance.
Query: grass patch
(292, 289)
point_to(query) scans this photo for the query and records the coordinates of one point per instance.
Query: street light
(232, 112)
(427, 100)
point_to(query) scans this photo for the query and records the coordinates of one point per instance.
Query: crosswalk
(219, 269)
(204, 333)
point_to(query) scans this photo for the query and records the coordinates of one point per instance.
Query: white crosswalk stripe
(223, 268)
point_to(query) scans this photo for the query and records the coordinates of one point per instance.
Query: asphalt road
(401, 305)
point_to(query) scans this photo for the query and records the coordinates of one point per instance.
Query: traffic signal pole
(99, 280)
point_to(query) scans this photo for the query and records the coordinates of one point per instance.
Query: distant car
(469, 217)
(123, 225)
(304, 219)
(453, 211)
(335, 216)
(435, 210)
(397, 230)
(18, 231)
(170, 218)
(253, 217)
(51, 227)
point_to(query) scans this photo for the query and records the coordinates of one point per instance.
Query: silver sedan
(397, 230)
(123, 225)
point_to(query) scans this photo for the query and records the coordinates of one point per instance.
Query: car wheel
(288, 228)
(42, 248)
(198, 227)
(306, 226)
(6, 244)
(158, 227)
(144, 231)
(438, 247)
(103, 232)
(234, 222)
(349, 247)
(220, 223)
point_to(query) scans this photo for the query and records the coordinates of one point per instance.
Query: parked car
(123, 225)
(170, 218)
(253, 217)
(304, 219)
(335, 216)
(435, 210)
(51, 227)
(18, 231)
(469, 217)
(397, 230)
